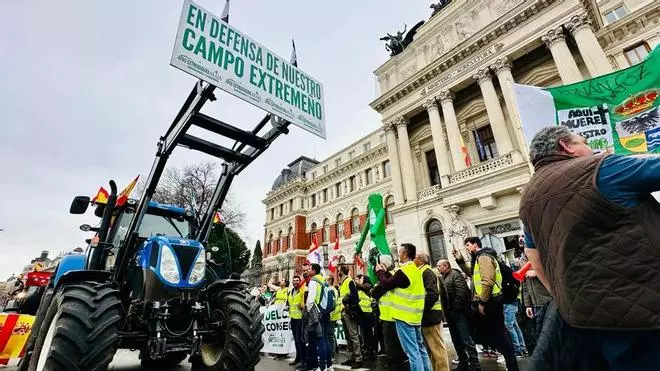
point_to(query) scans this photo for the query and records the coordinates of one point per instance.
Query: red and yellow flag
(101, 197)
(126, 193)
(218, 218)
(464, 152)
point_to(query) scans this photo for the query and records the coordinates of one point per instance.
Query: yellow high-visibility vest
(385, 303)
(344, 289)
(281, 295)
(408, 304)
(336, 314)
(384, 306)
(295, 301)
(319, 290)
(476, 278)
(365, 302)
(438, 304)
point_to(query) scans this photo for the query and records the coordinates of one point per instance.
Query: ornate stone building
(453, 85)
(327, 199)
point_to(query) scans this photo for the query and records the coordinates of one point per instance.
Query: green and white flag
(620, 110)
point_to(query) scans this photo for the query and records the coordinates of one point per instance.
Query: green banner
(624, 104)
(618, 111)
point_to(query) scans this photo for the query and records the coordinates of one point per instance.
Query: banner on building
(14, 331)
(619, 111)
(278, 337)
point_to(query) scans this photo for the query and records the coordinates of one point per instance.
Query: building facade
(327, 199)
(451, 89)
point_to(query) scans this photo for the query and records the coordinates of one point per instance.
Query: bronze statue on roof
(397, 44)
(439, 6)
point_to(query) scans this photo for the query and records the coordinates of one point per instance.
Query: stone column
(494, 110)
(439, 143)
(568, 69)
(502, 68)
(393, 153)
(453, 133)
(407, 170)
(592, 53)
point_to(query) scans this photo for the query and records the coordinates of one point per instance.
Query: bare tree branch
(177, 185)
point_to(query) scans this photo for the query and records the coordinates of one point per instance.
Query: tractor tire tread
(86, 334)
(243, 340)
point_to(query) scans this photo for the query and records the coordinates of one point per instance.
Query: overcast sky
(86, 90)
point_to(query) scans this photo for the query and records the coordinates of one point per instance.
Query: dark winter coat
(558, 348)
(458, 292)
(433, 292)
(534, 293)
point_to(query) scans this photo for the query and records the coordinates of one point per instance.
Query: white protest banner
(339, 334)
(278, 337)
(212, 50)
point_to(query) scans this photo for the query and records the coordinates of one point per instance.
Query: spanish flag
(464, 151)
(101, 197)
(218, 218)
(126, 193)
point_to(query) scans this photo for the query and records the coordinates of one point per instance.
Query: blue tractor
(141, 284)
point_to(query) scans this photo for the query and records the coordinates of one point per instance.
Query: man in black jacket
(456, 311)
(432, 317)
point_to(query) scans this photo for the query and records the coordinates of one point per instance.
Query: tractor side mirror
(88, 228)
(79, 205)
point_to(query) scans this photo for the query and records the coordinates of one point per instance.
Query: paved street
(128, 361)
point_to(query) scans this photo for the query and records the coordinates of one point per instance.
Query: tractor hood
(177, 262)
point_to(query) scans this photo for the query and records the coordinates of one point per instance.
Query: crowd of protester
(401, 316)
(589, 302)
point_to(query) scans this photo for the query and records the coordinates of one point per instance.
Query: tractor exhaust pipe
(96, 256)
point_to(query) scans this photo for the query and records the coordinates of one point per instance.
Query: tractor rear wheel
(238, 343)
(170, 360)
(79, 330)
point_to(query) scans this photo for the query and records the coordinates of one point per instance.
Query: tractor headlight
(168, 267)
(198, 270)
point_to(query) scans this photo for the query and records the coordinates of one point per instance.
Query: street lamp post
(325, 256)
(288, 278)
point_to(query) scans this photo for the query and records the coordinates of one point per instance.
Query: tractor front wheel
(79, 330)
(237, 345)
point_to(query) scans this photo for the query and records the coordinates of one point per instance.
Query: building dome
(284, 177)
(296, 169)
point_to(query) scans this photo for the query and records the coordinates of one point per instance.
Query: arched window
(278, 244)
(312, 231)
(340, 225)
(355, 221)
(289, 236)
(389, 204)
(436, 240)
(268, 245)
(325, 235)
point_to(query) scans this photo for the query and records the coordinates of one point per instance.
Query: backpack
(510, 286)
(327, 303)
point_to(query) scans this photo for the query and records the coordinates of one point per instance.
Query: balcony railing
(482, 169)
(429, 192)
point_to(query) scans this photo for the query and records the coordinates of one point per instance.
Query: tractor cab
(167, 258)
(159, 220)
